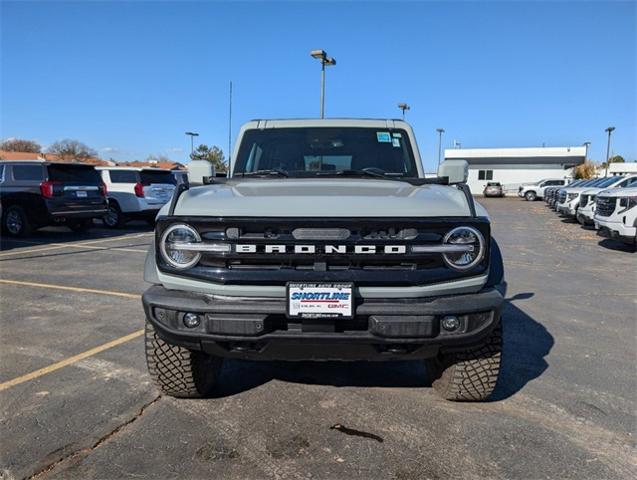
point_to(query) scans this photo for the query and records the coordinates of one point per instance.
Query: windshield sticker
(383, 137)
(397, 135)
(395, 142)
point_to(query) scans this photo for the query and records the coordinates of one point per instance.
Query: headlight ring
(464, 236)
(180, 259)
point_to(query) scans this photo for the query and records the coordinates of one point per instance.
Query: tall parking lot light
(440, 132)
(325, 60)
(403, 107)
(609, 130)
(192, 141)
(586, 144)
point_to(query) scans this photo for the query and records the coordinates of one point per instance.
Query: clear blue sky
(129, 79)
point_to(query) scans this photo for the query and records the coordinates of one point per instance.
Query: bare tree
(72, 150)
(158, 158)
(20, 145)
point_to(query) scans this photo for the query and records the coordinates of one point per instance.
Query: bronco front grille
(361, 250)
(605, 206)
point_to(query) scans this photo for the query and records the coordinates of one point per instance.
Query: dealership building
(513, 167)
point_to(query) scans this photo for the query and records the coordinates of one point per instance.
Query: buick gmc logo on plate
(325, 249)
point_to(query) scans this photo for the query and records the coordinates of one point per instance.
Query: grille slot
(562, 197)
(605, 206)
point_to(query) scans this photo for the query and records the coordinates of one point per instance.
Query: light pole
(586, 144)
(325, 60)
(609, 130)
(192, 141)
(403, 107)
(440, 132)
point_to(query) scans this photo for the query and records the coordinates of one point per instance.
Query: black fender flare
(496, 266)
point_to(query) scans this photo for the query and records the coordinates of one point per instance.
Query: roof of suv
(45, 162)
(135, 169)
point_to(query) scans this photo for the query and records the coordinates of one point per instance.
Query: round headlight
(178, 257)
(469, 257)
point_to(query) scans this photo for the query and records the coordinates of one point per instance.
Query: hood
(294, 197)
(576, 189)
(618, 192)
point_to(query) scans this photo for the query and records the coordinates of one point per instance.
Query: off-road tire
(468, 375)
(180, 372)
(20, 226)
(530, 196)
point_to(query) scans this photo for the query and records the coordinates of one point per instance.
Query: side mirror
(200, 172)
(456, 170)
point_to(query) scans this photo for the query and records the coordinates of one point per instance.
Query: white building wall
(511, 177)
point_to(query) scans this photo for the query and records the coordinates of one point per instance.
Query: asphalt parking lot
(76, 401)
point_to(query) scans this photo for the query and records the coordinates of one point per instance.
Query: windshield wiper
(273, 171)
(365, 172)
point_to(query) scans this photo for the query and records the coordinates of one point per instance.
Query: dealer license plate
(320, 300)
(81, 194)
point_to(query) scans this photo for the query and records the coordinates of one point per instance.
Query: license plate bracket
(320, 300)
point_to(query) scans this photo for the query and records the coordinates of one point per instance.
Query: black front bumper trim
(381, 328)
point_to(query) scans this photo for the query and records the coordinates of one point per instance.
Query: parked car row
(608, 203)
(35, 194)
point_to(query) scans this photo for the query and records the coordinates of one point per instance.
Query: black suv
(37, 194)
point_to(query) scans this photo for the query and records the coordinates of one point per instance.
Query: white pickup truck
(587, 200)
(533, 191)
(616, 214)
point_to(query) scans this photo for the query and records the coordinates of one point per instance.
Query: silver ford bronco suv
(324, 242)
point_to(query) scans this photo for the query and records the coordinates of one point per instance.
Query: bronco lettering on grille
(327, 249)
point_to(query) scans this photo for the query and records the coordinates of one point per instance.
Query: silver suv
(325, 242)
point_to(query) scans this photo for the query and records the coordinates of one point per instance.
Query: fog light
(192, 320)
(450, 323)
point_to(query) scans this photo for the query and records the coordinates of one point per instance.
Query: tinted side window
(27, 172)
(123, 176)
(74, 174)
(1, 173)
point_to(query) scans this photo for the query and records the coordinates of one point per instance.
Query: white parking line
(87, 244)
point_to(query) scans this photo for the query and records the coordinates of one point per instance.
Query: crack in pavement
(87, 450)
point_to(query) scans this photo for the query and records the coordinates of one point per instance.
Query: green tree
(20, 145)
(213, 154)
(72, 150)
(614, 159)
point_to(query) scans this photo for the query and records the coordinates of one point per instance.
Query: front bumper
(382, 329)
(567, 209)
(585, 215)
(616, 230)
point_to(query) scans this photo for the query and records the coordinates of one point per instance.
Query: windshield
(149, 177)
(324, 151)
(605, 182)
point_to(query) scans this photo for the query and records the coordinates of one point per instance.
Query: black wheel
(81, 226)
(180, 372)
(15, 222)
(468, 375)
(114, 217)
(530, 196)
